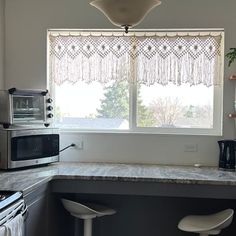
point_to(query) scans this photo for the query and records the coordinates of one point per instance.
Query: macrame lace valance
(192, 58)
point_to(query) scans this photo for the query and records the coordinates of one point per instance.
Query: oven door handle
(25, 212)
(11, 211)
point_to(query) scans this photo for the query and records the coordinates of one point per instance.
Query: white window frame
(217, 129)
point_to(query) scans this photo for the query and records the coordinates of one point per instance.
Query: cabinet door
(36, 223)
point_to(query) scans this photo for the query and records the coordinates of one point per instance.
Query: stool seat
(86, 212)
(207, 224)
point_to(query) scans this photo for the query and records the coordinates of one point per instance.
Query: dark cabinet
(36, 223)
(46, 215)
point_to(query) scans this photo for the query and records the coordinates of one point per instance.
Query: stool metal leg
(88, 227)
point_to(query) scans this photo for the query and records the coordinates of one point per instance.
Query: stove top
(8, 197)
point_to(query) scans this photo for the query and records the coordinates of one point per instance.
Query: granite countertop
(26, 180)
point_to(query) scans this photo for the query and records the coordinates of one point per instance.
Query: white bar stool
(86, 212)
(206, 225)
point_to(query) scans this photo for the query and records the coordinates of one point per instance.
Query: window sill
(150, 131)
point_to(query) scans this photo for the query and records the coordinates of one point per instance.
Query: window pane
(92, 106)
(175, 106)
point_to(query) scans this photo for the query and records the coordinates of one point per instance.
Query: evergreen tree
(116, 105)
(116, 101)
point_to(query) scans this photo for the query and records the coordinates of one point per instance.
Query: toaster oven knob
(49, 100)
(49, 108)
(50, 115)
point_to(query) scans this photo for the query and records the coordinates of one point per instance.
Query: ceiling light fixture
(125, 13)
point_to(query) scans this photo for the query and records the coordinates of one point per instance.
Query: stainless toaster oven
(25, 107)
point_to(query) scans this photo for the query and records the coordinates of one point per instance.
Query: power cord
(71, 145)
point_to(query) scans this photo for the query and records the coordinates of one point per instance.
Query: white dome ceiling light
(125, 13)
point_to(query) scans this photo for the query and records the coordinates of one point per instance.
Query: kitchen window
(144, 81)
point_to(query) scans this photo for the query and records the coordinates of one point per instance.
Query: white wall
(26, 25)
(2, 34)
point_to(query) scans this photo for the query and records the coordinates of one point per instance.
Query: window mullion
(133, 90)
(133, 106)
(133, 98)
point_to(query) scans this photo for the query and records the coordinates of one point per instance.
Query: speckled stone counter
(27, 180)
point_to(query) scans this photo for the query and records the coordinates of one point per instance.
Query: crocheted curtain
(162, 58)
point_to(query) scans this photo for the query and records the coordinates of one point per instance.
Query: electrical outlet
(190, 148)
(79, 145)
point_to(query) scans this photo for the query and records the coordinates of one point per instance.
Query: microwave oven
(25, 107)
(28, 147)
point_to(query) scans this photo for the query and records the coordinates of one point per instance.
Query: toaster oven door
(27, 108)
